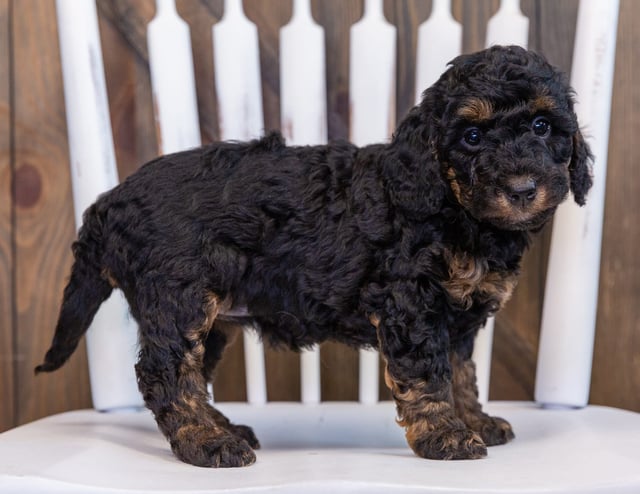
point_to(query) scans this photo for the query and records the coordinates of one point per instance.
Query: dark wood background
(36, 214)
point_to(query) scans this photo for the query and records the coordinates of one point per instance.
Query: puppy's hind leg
(222, 334)
(173, 327)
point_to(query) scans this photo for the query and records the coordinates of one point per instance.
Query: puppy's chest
(471, 281)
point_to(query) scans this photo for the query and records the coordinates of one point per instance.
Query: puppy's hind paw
(204, 448)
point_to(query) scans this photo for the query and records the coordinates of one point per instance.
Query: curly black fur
(407, 247)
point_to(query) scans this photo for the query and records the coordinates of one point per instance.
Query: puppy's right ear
(580, 169)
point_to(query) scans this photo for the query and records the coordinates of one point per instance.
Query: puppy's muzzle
(521, 191)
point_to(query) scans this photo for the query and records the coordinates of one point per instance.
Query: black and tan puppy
(407, 247)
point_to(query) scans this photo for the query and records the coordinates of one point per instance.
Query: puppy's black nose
(521, 192)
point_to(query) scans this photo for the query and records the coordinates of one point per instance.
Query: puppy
(407, 247)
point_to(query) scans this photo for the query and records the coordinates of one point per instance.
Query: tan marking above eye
(476, 110)
(542, 103)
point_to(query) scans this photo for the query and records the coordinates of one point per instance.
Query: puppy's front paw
(245, 432)
(449, 443)
(203, 447)
(494, 430)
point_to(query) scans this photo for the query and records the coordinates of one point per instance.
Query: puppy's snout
(521, 191)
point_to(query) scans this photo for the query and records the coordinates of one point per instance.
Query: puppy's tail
(83, 295)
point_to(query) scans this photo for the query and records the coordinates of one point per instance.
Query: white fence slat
(371, 78)
(112, 337)
(509, 26)
(172, 80)
(237, 74)
(369, 376)
(255, 367)
(238, 86)
(310, 382)
(303, 93)
(571, 294)
(439, 42)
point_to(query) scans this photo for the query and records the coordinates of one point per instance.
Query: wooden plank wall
(7, 416)
(43, 223)
(36, 220)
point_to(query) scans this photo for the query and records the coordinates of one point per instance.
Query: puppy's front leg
(418, 373)
(493, 430)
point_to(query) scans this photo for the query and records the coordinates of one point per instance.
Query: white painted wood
(303, 94)
(255, 367)
(172, 80)
(303, 108)
(368, 376)
(372, 79)
(372, 91)
(439, 42)
(507, 27)
(571, 294)
(238, 86)
(237, 74)
(112, 337)
(482, 351)
(310, 383)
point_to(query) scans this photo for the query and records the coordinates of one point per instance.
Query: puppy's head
(502, 126)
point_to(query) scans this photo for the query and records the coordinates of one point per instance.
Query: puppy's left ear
(580, 169)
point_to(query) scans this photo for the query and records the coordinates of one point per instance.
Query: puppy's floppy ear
(580, 169)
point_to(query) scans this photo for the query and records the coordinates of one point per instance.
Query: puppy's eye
(472, 136)
(541, 126)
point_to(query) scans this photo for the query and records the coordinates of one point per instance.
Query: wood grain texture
(336, 33)
(474, 15)
(270, 17)
(406, 16)
(126, 65)
(44, 214)
(6, 228)
(201, 16)
(338, 372)
(616, 369)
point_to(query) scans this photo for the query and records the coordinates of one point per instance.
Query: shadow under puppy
(407, 247)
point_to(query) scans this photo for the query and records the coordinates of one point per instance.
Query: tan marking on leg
(200, 434)
(194, 396)
(465, 390)
(191, 431)
(431, 428)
